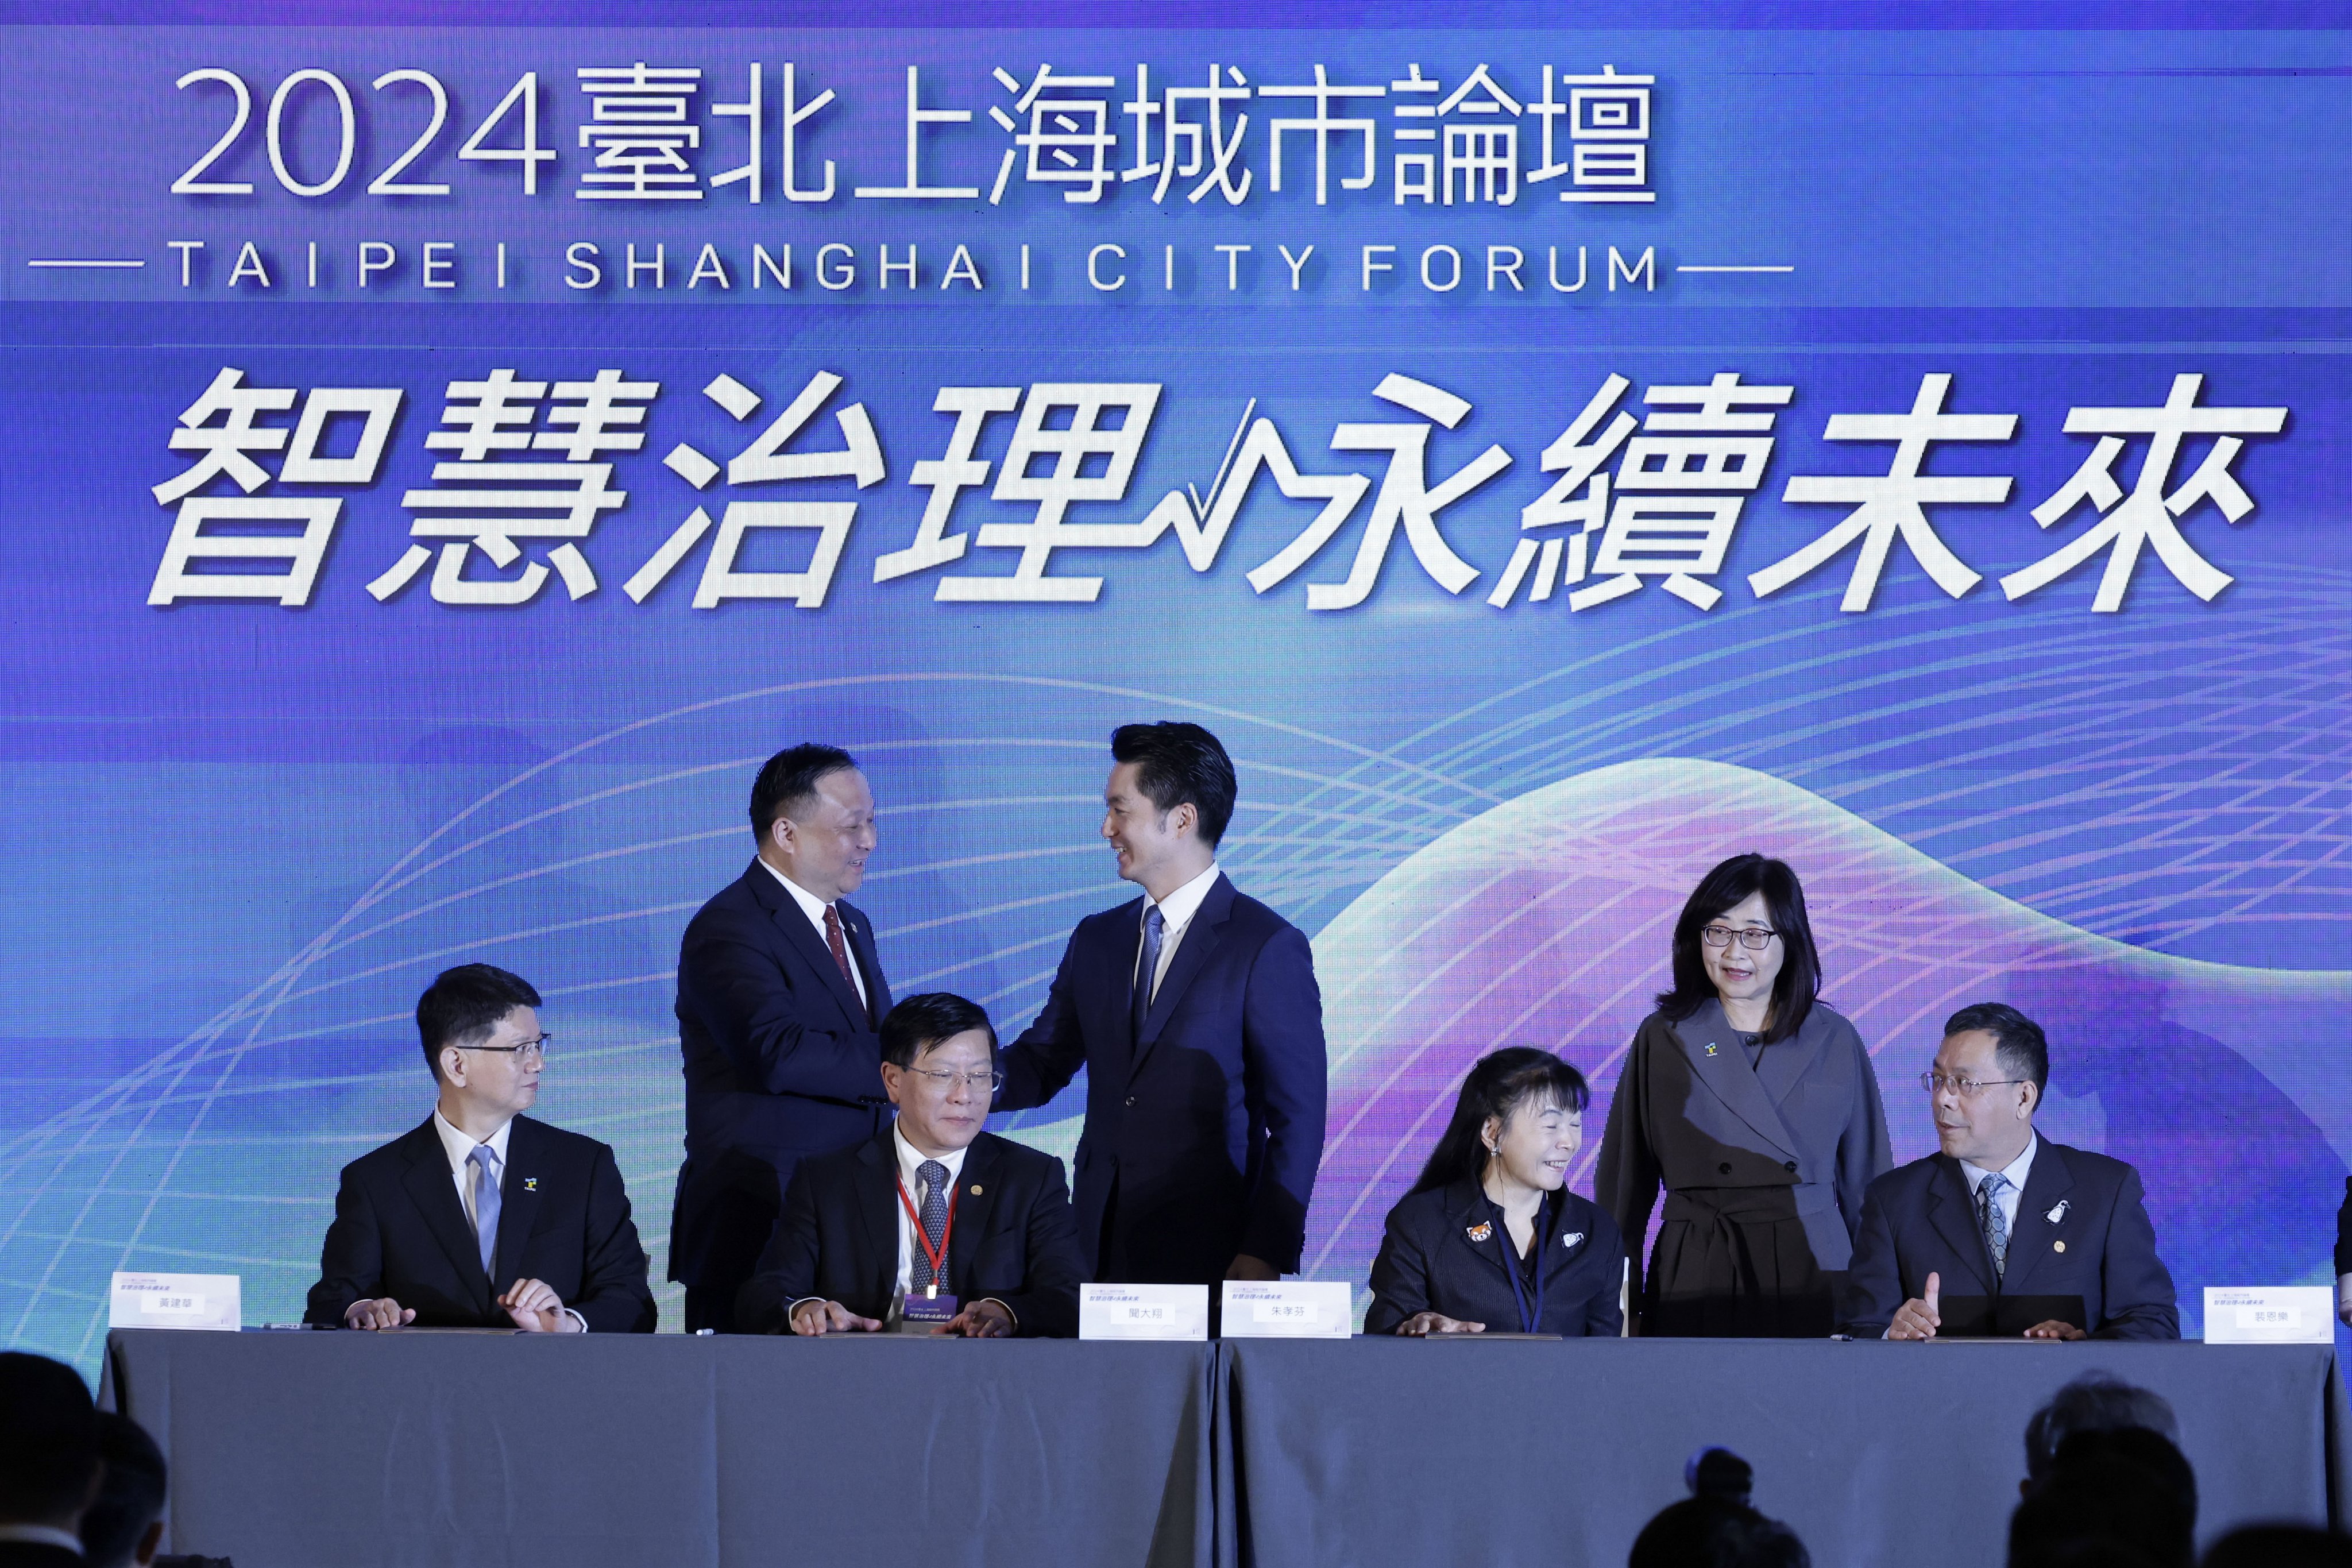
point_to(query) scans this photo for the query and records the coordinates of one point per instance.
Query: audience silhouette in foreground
(1716, 1526)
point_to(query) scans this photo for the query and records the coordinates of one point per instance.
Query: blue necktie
(1146, 970)
(934, 1177)
(1996, 1224)
(485, 1205)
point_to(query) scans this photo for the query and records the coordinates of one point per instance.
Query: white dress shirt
(1176, 912)
(2011, 1197)
(815, 908)
(42, 1535)
(460, 1149)
(910, 1163)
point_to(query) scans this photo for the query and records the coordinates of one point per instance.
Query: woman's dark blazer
(1429, 1263)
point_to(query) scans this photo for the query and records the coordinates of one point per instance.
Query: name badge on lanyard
(1530, 1313)
(931, 1305)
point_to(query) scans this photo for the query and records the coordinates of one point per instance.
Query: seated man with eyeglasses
(2003, 1233)
(427, 1226)
(932, 1225)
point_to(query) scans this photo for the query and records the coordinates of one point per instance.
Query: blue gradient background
(243, 837)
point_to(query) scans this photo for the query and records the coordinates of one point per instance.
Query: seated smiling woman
(1490, 1238)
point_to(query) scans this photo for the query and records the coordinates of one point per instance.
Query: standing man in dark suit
(2003, 1233)
(2343, 1255)
(779, 992)
(426, 1226)
(934, 1225)
(1195, 1013)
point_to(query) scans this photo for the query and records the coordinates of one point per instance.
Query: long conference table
(298, 1449)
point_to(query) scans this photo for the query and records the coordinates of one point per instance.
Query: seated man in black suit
(932, 1223)
(49, 1461)
(2002, 1233)
(427, 1226)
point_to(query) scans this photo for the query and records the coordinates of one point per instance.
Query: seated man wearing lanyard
(932, 1225)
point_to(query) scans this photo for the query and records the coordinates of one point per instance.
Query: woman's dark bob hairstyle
(1498, 1083)
(1800, 980)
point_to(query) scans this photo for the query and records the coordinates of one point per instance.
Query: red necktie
(840, 950)
(841, 956)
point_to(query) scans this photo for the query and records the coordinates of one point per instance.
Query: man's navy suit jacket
(399, 1230)
(1012, 1238)
(1921, 1218)
(782, 1060)
(1202, 1138)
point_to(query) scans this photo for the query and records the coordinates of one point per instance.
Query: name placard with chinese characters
(2270, 1315)
(1288, 1309)
(1143, 1311)
(175, 1301)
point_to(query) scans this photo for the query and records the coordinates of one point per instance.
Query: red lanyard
(947, 1233)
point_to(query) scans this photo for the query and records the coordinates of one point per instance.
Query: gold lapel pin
(975, 1189)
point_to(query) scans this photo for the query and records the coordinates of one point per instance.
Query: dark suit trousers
(710, 1307)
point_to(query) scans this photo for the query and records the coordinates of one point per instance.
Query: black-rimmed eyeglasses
(987, 1078)
(537, 1047)
(1965, 1088)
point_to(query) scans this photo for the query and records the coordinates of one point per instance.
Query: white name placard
(1288, 1309)
(174, 1301)
(1143, 1311)
(2270, 1315)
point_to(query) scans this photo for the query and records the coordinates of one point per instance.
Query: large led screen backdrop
(437, 464)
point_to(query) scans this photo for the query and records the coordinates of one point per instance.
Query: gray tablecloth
(1383, 1451)
(356, 1450)
(299, 1450)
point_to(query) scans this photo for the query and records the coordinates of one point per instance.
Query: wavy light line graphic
(1547, 921)
(2170, 778)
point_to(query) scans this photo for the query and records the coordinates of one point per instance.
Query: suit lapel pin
(1710, 1048)
(2057, 1214)
(975, 1189)
(1571, 1238)
(1480, 1231)
(530, 1184)
(2057, 1246)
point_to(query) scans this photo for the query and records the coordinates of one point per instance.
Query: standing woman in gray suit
(1756, 1109)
